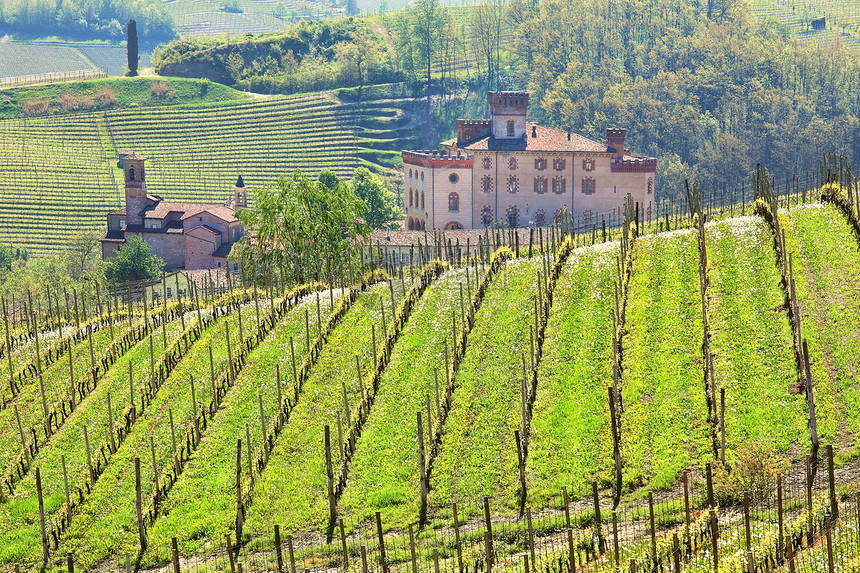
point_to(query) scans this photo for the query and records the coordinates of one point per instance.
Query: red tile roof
(163, 208)
(546, 139)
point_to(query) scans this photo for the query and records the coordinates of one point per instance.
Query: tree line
(103, 19)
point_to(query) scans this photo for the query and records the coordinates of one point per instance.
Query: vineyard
(58, 173)
(510, 405)
(842, 18)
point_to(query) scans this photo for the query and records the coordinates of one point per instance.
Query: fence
(803, 521)
(51, 77)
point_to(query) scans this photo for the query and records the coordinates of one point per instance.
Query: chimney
(615, 141)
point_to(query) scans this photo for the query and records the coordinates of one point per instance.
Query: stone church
(507, 169)
(185, 235)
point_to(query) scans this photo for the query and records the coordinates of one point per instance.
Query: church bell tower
(135, 188)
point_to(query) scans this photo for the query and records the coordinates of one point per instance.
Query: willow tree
(304, 225)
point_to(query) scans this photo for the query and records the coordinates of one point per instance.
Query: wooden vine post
(141, 530)
(240, 510)
(422, 469)
(332, 501)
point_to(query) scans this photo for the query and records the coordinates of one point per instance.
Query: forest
(87, 19)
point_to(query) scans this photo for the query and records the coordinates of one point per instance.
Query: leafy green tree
(131, 43)
(303, 225)
(134, 261)
(82, 255)
(381, 203)
(329, 178)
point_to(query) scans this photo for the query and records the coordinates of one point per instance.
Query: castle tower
(135, 188)
(615, 141)
(508, 114)
(240, 195)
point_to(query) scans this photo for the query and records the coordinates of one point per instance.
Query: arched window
(512, 163)
(422, 199)
(510, 128)
(453, 202)
(487, 162)
(409, 204)
(410, 174)
(486, 184)
(512, 216)
(409, 224)
(423, 223)
(588, 186)
(131, 174)
(540, 218)
(453, 226)
(487, 215)
(513, 184)
(540, 185)
(422, 176)
(650, 186)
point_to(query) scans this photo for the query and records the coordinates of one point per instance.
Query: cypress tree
(132, 47)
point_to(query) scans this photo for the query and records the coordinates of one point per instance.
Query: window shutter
(563, 185)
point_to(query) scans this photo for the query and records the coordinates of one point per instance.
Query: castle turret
(615, 141)
(240, 194)
(135, 188)
(508, 114)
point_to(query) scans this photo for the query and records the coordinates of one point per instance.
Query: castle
(522, 174)
(185, 235)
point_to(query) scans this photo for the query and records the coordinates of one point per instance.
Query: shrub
(754, 472)
(159, 88)
(68, 102)
(36, 107)
(106, 96)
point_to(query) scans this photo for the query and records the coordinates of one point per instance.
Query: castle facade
(185, 235)
(507, 169)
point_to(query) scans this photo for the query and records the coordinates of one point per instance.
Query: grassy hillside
(663, 419)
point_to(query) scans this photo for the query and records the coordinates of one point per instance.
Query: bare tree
(487, 22)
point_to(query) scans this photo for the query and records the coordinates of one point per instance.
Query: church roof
(163, 208)
(545, 139)
(240, 184)
(134, 155)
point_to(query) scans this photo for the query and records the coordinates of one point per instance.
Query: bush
(755, 472)
(159, 88)
(106, 97)
(36, 107)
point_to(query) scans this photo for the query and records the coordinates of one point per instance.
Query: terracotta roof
(546, 139)
(135, 155)
(224, 250)
(206, 227)
(163, 208)
(118, 212)
(114, 237)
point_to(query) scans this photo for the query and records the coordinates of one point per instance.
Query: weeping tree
(131, 37)
(303, 226)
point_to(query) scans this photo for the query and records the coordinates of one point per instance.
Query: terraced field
(515, 345)
(842, 17)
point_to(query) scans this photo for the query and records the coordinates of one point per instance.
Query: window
(453, 202)
(199, 218)
(131, 174)
(512, 163)
(650, 186)
(486, 184)
(558, 164)
(559, 185)
(454, 226)
(540, 163)
(588, 164)
(422, 199)
(121, 223)
(510, 128)
(512, 216)
(142, 175)
(588, 186)
(487, 215)
(453, 178)
(540, 218)
(410, 174)
(540, 185)
(487, 162)
(513, 184)
(410, 196)
(422, 176)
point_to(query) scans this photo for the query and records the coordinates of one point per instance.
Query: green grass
(128, 92)
(752, 338)
(292, 489)
(818, 236)
(571, 440)
(19, 527)
(478, 454)
(384, 474)
(102, 522)
(664, 420)
(201, 506)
